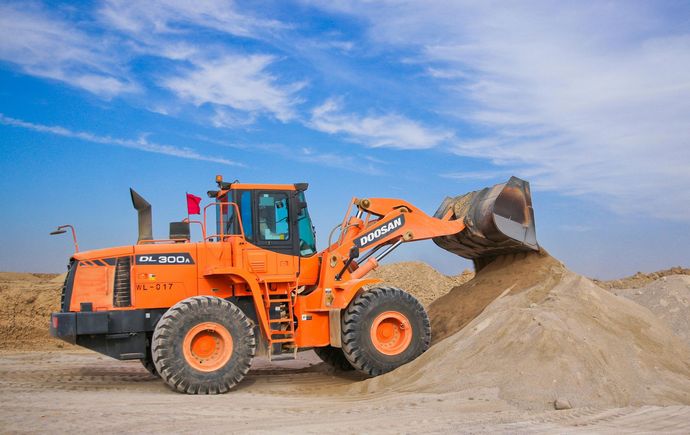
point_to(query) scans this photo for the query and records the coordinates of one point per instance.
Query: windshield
(307, 236)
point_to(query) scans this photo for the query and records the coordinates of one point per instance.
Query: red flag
(193, 202)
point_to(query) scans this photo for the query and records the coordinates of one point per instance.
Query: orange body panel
(97, 282)
(163, 285)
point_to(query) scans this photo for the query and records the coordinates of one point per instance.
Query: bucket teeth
(498, 220)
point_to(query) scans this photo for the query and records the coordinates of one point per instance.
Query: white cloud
(239, 87)
(43, 45)
(361, 164)
(348, 162)
(585, 98)
(389, 130)
(176, 16)
(239, 82)
(141, 144)
(228, 118)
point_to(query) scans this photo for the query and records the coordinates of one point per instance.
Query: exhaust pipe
(144, 213)
(498, 220)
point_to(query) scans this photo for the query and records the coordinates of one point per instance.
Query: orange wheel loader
(196, 313)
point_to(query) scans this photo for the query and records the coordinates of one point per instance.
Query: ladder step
(276, 301)
(282, 340)
(280, 321)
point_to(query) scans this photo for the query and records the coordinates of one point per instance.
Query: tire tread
(171, 368)
(353, 332)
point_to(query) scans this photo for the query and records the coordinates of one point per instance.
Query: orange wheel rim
(391, 333)
(207, 346)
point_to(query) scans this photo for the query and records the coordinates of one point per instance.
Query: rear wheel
(384, 328)
(203, 345)
(334, 357)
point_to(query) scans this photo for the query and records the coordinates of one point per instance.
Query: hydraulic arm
(479, 225)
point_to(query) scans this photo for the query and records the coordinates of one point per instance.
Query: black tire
(334, 357)
(148, 361)
(357, 321)
(168, 340)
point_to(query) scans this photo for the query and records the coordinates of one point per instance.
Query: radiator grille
(122, 290)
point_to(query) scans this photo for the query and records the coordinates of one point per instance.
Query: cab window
(307, 238)
(274, 216)
(245, 203)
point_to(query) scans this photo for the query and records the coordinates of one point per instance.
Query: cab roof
(226, 187)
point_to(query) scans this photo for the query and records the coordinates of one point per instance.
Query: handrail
(222, 234)
(343, 224)
(201, 224)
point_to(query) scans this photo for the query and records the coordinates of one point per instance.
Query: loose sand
(419, 279)
(668, 298)
(641, 279)
(514, 274)
(547, 334)
(27, 301)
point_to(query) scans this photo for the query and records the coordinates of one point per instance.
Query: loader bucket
(498, 220)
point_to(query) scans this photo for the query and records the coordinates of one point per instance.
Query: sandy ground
(61, 391)
(620, 356)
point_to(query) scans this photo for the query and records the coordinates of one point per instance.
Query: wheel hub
(391, 333)
(207, 346)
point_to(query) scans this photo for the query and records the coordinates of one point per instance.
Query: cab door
(268, 221)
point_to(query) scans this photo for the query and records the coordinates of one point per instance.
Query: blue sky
(589, 101)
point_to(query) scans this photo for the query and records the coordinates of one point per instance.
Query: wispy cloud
(353, 163)
(389, 130)
(140, 144)
(238, 82)
(45, 45)
(237, 86)
(580, 97)
(179, 16)
(348, 162)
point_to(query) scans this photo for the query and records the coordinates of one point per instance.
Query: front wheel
(334, 357)
(203, 345)
(384, 328)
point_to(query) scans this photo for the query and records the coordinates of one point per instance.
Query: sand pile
(419, 279)
(641, 279)
(27, 301)
(548, 334)
(668, 298)
(513, 274)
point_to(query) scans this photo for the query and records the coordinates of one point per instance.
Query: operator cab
(271, 216)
